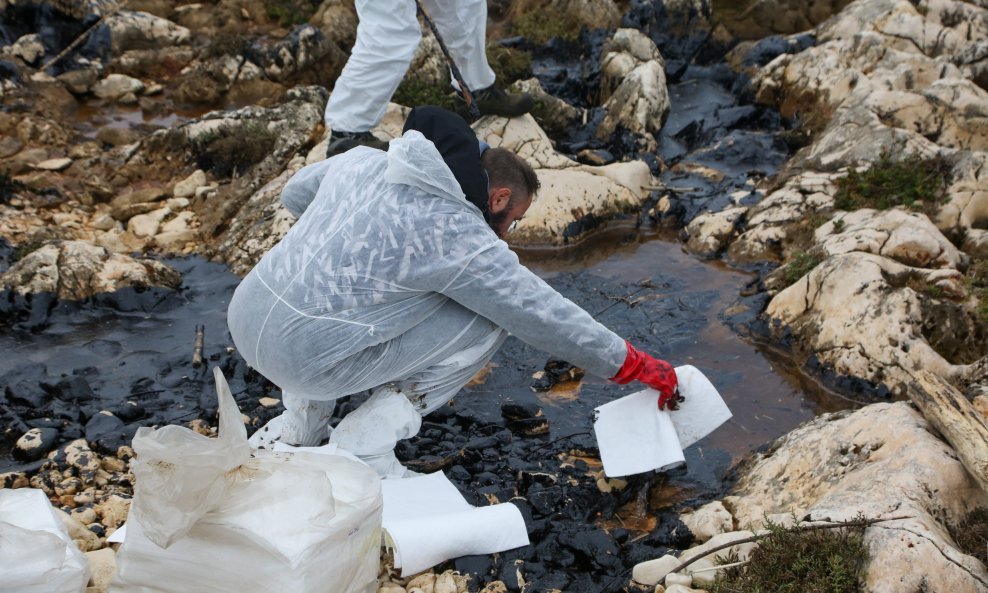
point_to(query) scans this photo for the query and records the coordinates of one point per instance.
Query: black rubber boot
(494, 101)
(340, 142)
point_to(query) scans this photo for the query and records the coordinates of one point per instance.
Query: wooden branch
(755, 538)
(83, 36)
(956, 419)
(197, 346)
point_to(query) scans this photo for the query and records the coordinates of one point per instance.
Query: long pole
(467, 95)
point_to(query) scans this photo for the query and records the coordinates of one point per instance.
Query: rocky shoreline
(862, 294)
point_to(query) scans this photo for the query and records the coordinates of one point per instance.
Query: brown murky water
(768, 395)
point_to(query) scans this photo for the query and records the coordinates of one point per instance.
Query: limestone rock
(187, 187)
(425, 581)
(858, 314)
(552, 112)
(883, 460)
(77, 269)
(651, 572)
(142, 30)
(709, 233)
(147, 225)
(54, 164)
(80, 81)
(708, 521)
(907, 237)
(635, 70)
(756, 19)
(966, 210)
(571, 193)
(767, 233)
(115, 86)
(28, 48)
(445, 583)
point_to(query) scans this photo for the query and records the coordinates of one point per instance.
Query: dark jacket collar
(459, 148)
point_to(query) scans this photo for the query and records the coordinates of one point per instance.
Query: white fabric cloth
(391, 276)
(388, 34)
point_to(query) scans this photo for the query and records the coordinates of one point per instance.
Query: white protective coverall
(388, 34)
(392, 281)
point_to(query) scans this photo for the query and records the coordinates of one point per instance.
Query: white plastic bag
(36, 553)
(274, 522)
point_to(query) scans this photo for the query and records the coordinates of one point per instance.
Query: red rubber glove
(657, 374)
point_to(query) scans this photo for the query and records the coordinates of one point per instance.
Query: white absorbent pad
(427, 521)
(635, 436)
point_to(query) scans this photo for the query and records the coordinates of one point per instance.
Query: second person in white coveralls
(395, 279)
(388, 34)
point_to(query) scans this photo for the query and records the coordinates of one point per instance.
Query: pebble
(391, 588)
(445, 583)
(269, 402)
(35, 443)
(113, 511)
(652, 572)
(54, 164)
(425, 582)
(187, 187)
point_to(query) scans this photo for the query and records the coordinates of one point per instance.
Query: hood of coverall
(457, 144)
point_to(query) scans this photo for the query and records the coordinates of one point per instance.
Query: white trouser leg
(372, 430)
(463, 26)
(387, 36)
(306, 422)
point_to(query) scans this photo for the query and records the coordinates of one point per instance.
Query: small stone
(652, 572)
(391, 588)
(445, 583)
(113, 465)
(127, 99)
(187, 187)
(79, 533)
(113, 511)
(177, 204)
(86, 498)
(269, 402)
(84, 515)
(153, 89)
(103, 222)
(426, 582)
(115, 86)
(28, 48)
(9, 146)
(605, 484)
(495, 587)
(202, 427)
(78, 82)
(14, 480)
(709, 520)
(54, 164)
(42, 77)
(35, 444)
(102, 566)
(675, 578)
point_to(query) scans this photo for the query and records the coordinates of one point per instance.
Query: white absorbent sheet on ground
(634, 436)
(427, 521)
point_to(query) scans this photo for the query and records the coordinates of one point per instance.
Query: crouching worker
(395, 281)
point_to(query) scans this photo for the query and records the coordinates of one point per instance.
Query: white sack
(36, 553)
(277, 522)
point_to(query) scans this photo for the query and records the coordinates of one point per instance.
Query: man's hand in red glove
(657, 374)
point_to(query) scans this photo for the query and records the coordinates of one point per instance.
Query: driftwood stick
(84, 34)
(956, 419)
(197, 346)
(755, 538)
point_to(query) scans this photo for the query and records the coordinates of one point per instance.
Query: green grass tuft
(539, 26)
(233, 148)
(413, 92)
(290, 12)
(791, 560)
(912, 181)
(509, 64)
(971, 534)
(801, 265)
